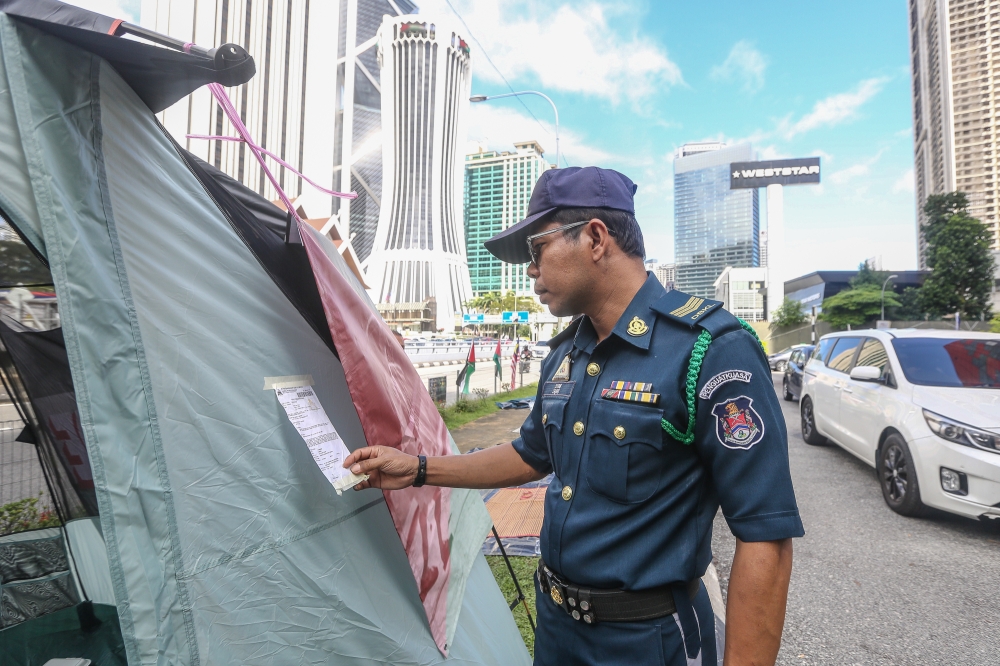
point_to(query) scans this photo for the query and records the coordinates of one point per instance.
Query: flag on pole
(465, 374)
(496, 361)
(513, 365)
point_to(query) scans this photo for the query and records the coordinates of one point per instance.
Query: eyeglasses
(536, 256)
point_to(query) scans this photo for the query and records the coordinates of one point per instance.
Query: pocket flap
(627, 423)
(554, 411)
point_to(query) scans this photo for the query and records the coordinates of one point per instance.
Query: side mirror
(866, 373)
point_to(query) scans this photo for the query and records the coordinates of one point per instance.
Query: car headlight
(962, 434)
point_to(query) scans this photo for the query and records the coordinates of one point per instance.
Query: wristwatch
(421, 472)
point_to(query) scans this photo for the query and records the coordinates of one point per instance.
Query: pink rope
(234, 118)
(333, 193)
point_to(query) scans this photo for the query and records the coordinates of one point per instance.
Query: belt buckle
(556, 588)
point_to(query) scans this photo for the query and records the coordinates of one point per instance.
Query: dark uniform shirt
(630, 506)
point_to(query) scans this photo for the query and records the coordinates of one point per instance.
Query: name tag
(564, 389)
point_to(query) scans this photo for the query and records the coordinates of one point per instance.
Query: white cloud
(855, 170)
(744, 63)
(836, 108)
(495, 127)
(904, 183)
(567, 47)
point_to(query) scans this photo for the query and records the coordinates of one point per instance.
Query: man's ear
(600, 238)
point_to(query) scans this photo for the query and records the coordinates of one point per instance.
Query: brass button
(578, 428)
(593, 369)
(567, 493)
(619, 432)
(545, 419)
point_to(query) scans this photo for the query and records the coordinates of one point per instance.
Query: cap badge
(637, 327)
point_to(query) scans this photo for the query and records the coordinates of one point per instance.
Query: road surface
(872, 587)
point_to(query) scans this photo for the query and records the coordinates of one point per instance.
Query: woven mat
(517, 512)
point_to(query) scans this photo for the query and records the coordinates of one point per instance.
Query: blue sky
(634, 79)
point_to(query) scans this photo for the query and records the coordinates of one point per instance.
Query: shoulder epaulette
(566, 333)
(684, 308)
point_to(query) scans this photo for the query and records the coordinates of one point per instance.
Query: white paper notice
(325, 444)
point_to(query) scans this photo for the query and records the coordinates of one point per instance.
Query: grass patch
(524, 568)
(469, 409)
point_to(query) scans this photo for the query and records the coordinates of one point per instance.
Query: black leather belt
(592, 605)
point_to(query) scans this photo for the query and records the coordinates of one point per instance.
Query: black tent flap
(160, 76)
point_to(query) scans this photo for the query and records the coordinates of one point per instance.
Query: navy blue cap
(572, 187)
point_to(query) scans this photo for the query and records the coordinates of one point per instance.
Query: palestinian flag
(496, 361)
(470, 366)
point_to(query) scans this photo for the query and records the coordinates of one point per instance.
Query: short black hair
(621, 224)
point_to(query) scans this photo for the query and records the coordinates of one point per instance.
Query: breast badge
(737, 423)
(562, 372)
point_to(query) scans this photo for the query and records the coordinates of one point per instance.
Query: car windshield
(956, 362)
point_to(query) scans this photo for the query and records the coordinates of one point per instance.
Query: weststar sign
(745, 175)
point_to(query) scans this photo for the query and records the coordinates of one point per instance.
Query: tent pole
(517, 585)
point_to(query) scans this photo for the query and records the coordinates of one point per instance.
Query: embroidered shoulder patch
(737, 423)
(722, 378)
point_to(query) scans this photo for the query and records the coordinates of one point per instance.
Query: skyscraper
(497, 189)
(315, 100)
(714, 226)
(419, 253)
(955, 63)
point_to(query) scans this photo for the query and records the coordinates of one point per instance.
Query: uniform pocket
(624, 454)
(553, 413)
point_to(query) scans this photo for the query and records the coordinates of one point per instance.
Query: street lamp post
(484, 98)
(883, 294)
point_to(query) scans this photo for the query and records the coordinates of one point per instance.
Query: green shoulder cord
(691, 385)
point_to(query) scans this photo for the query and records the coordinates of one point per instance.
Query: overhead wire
(497, 70)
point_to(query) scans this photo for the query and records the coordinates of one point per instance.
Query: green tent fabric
(225, 543)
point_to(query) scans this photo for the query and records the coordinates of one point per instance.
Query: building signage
(510, 317)
(747, 175)
(438, 388)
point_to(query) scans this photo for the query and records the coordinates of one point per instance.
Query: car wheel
(780, 366)
(785, 392)
(898, 477)
(809, 432)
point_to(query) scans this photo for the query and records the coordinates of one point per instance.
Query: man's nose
(533, 271)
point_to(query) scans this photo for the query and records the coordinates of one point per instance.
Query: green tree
(868, 277)
(789, 314)
(958, 255)
(855, 307)
(909, 308)
(18, 265)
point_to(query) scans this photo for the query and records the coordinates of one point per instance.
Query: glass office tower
(714, 226)
(498, 186)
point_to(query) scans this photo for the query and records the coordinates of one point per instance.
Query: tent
(197, 528)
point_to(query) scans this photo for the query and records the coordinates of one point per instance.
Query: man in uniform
(654, 409)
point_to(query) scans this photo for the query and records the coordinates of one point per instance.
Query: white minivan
(921, 406)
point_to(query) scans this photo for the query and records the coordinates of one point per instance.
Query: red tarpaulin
(395, 410)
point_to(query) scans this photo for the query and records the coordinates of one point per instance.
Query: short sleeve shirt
(631, 507)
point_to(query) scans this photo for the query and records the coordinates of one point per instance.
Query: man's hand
(387, 468)
(755, 611)
(391, 469)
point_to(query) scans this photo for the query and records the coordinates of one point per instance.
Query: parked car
(791, 382)
(921, 406)
(540, 349)
(778, 360)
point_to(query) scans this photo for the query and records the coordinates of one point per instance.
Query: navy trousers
(560, 640)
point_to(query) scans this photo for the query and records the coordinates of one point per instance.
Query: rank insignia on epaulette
(631, 396)
(631, 386)
(684, 308)
(562, 372)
